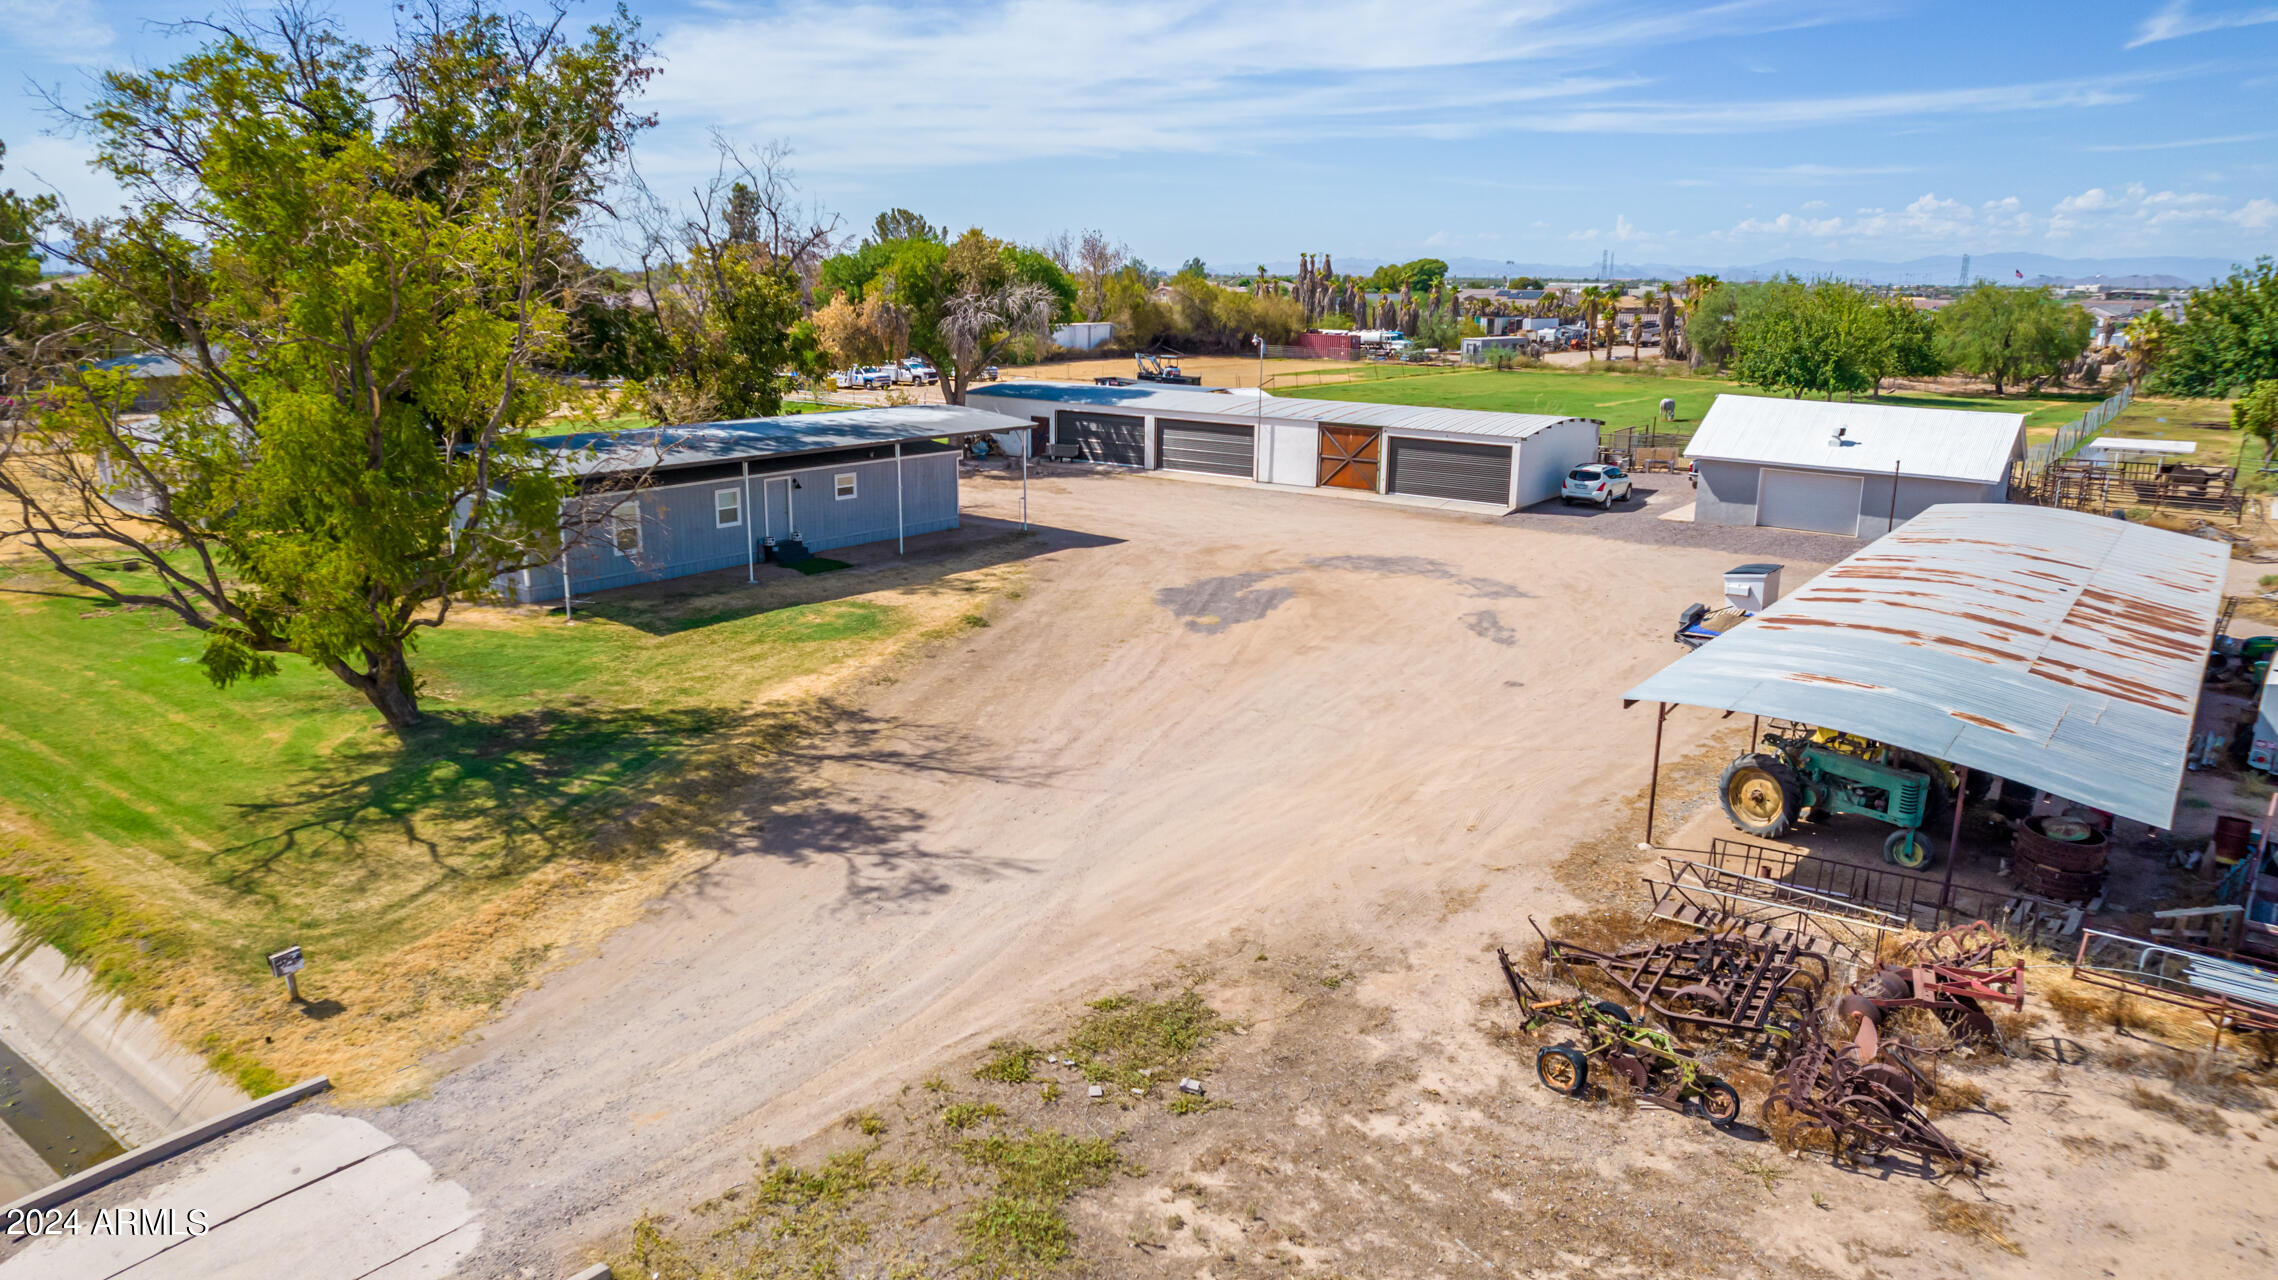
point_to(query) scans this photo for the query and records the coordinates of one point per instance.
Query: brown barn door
(1349, 457)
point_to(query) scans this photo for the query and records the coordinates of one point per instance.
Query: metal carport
(2061, 650)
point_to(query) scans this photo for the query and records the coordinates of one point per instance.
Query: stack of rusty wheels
(2059, 857)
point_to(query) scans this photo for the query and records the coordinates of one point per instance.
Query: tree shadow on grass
(493, 798)
(475, 796)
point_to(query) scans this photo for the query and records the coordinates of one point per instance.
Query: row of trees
(1829, 338)
(961, 304)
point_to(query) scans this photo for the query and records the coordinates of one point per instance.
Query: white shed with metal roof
(1483, 460)
(1858, 470)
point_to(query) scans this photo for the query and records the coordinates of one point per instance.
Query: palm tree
(1697, 289)
(1592, 295)
(1637, 330)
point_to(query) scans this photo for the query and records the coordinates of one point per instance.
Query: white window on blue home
(727, 508)
(625, 528)
(842, 485)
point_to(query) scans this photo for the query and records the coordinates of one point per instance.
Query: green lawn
(1633, 399)
(2206, 423)
(170, 834)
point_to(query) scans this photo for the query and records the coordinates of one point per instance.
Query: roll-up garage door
(1220, 448)
(1447, 469)
(1106, 437)
(1814, 501)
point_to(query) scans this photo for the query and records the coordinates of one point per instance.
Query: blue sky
(1534, 130)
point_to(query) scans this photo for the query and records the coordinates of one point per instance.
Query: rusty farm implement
(1757, 989)
(1864, 1096)
(1609, 1043)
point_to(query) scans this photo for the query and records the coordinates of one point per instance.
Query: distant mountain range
(2002, 268)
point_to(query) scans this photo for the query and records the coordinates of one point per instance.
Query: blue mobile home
(668, 501)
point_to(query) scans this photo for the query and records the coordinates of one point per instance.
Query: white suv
(1602, 483)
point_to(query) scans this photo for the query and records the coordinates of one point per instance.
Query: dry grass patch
(2206, 1121)
(1978, 1220)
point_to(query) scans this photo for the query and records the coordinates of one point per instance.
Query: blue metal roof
(2056, 648)
(1245, 403)
(591, 452)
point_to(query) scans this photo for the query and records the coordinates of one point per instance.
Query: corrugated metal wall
(1546, 456)
(680, 533)
(1460, 470)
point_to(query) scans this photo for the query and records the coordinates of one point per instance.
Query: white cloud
(2179, 143)
(2176, 20)
(2109, 219)
(60, 30)
(1622, 232)
(1721, 116)
(872, 87)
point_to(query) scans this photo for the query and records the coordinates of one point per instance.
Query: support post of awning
(1954, 836)
(1653, 782)
(751, 562)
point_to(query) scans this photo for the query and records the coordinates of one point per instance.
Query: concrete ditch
(84, 1059)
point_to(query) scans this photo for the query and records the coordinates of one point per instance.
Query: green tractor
(1829, 772)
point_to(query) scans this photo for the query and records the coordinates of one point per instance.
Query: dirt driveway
(1213, 708)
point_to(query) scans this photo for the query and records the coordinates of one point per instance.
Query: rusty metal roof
(2059, 649)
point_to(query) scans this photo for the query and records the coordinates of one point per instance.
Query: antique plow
(1610, 1043)
(1951, 974)
(1863, 1099)
(1760, 989)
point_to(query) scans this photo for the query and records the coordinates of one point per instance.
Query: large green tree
(1418, 276)
(361, 300)
(724, 278)
(965, 304)
(2228, 339)
(2009, 335)
(2256, 414)
(20, 219)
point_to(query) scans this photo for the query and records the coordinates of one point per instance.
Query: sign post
(285, 964)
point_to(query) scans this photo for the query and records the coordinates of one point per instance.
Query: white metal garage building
(1498, 460)
(1854, 469)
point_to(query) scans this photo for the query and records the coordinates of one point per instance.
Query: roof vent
(1836, 441)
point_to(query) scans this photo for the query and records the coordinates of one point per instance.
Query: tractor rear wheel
(1614, 1011)
(1562, 1070)
(1761, 795)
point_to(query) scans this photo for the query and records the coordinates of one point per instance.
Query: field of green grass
(2205, 423)
(1633, 399)
(170, 834)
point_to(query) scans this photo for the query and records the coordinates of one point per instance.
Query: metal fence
(2148, 486)
(1276, 352)
(2079, 431)
(1922, 902)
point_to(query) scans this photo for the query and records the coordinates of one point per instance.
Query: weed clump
(964, 1115)
(1010, 1062)
(1133, 1043)
(1019, 1223)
